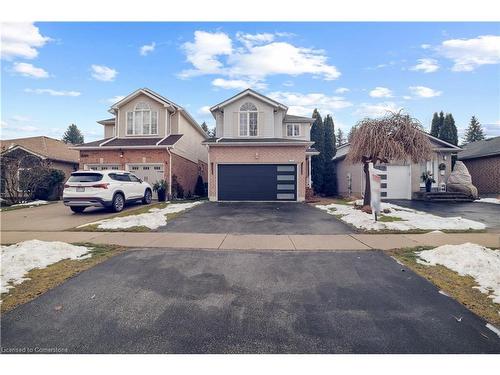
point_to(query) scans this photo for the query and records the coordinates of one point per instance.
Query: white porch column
(310, 172)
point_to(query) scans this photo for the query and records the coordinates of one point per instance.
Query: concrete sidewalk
(259, 242)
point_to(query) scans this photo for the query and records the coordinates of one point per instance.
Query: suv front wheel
(118, 203)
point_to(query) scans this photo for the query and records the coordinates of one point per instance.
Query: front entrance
(257, 182)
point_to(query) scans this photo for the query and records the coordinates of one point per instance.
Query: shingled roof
(132, 142)
(480, 149)
(44, 146)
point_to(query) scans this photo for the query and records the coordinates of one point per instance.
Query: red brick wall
(257, 155)
(186, 171)
(485, 173)
(129, 156)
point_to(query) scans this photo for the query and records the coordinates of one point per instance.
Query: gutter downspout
(169, 172)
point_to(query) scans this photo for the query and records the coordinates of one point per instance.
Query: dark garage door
(257, 182)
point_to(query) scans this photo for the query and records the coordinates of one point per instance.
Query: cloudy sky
(54, 74)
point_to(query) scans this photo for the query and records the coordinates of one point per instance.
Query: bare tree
(395, 137)
(21, 176)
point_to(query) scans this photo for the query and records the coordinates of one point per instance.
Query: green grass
(42, 280)
(458, 287)
(388, 219)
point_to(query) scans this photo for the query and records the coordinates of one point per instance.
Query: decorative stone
(461, 181)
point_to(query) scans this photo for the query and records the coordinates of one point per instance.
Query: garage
(395, 182)
(257, 182)
(102, 167)
(150, 173)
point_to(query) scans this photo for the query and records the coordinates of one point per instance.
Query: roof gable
(145, 91)
(249, 92)
(42, 146)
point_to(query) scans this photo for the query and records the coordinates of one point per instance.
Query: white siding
(189, 146)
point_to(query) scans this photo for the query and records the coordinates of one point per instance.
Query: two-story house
(152, 137)
(260, 152)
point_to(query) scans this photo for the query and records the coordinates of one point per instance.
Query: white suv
(111, 189)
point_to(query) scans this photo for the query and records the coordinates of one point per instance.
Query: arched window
(248, 120)
(142, 121)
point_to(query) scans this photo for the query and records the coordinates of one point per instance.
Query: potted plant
(160, 187)
(428, 180)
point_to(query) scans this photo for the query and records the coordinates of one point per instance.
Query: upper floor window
(142, 121)
(248, 120)
(293, 130)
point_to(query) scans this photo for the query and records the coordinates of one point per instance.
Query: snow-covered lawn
(479, 262)
(153, 219)
(488, 200)
(32, 203)
(17, 260)
(407, 219)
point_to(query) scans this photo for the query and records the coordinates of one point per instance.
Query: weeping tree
(393, 137)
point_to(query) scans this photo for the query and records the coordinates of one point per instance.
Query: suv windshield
(85, 177)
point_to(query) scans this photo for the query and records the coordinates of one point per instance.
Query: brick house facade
(482, 159)
(153, 138)
(260, 153)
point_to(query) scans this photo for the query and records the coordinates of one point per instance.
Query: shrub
(177, 189)
(199, 189)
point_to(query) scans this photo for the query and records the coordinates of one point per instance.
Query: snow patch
(32, 203)
(410, 219)
(17, 260)
(468, 259)
(488, 200)
(443, 293)
(152, 219)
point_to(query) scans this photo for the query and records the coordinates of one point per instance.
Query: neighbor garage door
(257, 182)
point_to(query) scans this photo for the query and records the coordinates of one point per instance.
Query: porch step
(443, 196)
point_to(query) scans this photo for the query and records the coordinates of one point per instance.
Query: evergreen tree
(436, 122)
(329, 177)
(340, 137)
(204, 126)
(350, 134)
(448, 132)
(474, 132)
(73, 135)
(317, 161)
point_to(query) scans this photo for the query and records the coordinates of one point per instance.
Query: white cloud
(469, 54)
(18, 125)
(204, 51)
(342, 90)
(205, 110)
(249, 40)
(426, 65)
(29, 70)
(237, 84)
(377, 110)
(103, 73)
(115, 99)
(52, 92)
(407, 97)
(21, 40)
(424, 92)
(381, 92)
(304, 104)
(425, 46)
(258, 57)
(288, 84)
(147, 49)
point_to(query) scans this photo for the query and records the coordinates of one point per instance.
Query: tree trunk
(367, 198)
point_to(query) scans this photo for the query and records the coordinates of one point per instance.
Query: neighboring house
(260, 152)
(399, 180)
(482, 159)
(152, 137)
(27, 150)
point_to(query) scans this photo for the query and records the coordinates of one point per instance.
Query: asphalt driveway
(257, 218)
(486, 213)
(160, 301)
(53, 217)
